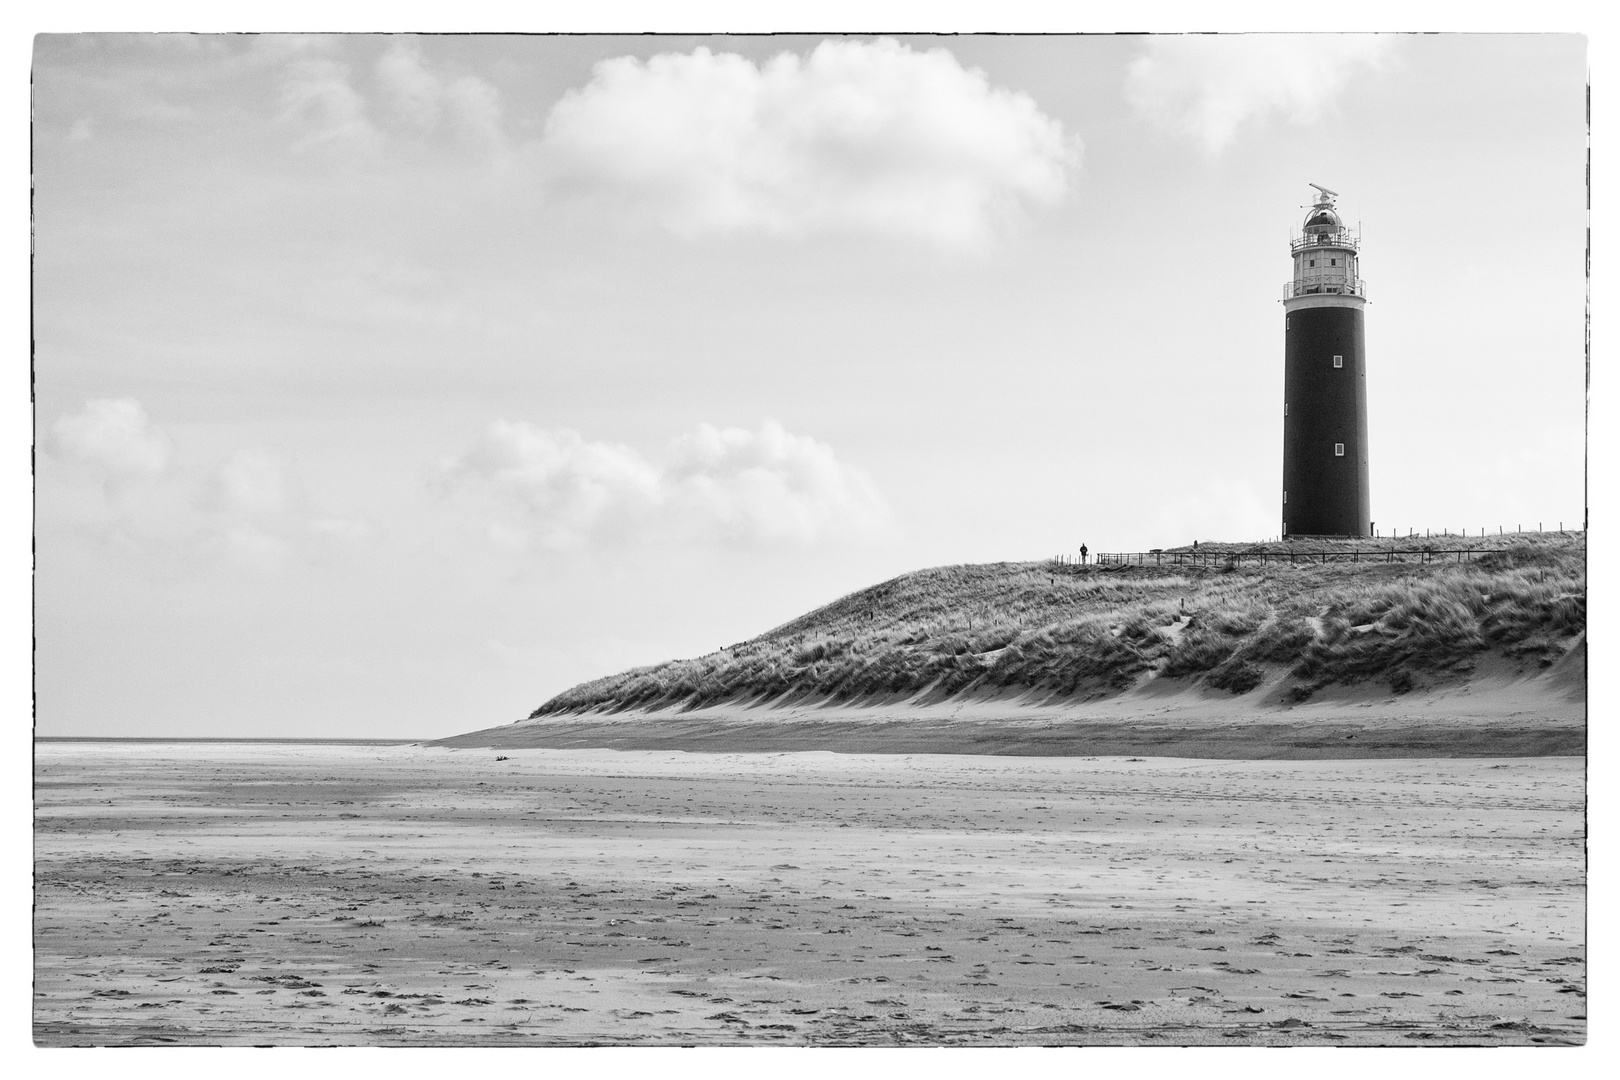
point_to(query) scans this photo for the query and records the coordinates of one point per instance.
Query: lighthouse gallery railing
(1340, 240)
(1329, 288)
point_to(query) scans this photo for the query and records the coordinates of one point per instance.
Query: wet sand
(307, 894)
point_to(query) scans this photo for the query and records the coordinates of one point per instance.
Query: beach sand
(322, 894)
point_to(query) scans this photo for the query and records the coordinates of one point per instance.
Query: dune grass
(1049, 633)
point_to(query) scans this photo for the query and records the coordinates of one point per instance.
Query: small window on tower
(1285, 408)
(1333, 262)
(1338, 361)
(1313, 262)
(1285, 498)
(1338, 449)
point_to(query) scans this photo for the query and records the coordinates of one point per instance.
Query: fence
(1218, 557)
(1115, 559)
(1221, 558)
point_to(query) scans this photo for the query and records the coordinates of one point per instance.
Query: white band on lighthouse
(1300, 303)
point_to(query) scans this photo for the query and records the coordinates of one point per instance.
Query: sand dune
(413, 895)
(1491, 713)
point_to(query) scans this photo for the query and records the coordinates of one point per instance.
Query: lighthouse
(1324, 486)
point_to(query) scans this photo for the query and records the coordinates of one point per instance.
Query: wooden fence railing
(1113, 559)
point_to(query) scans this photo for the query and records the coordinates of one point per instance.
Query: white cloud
(760, 487)
(340, 533)
(390, 291)
(317, 98)
(250, 484)
(414, 92)
(570, 488)
(248, 511)
(115, 438)
(422, 99)
(858, 135)
(1206, 87)
(409, 99)
(769, 485)
(245, 547)
(257, 517)
(476, 106)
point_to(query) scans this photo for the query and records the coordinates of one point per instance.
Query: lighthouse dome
(1323, 219)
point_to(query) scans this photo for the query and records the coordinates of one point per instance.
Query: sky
(386, 386)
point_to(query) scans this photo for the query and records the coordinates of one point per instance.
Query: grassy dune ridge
(1047, 634)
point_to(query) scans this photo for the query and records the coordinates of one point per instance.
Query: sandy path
(315, 894)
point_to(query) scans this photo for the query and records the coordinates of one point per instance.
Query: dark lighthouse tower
(1325, 382)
